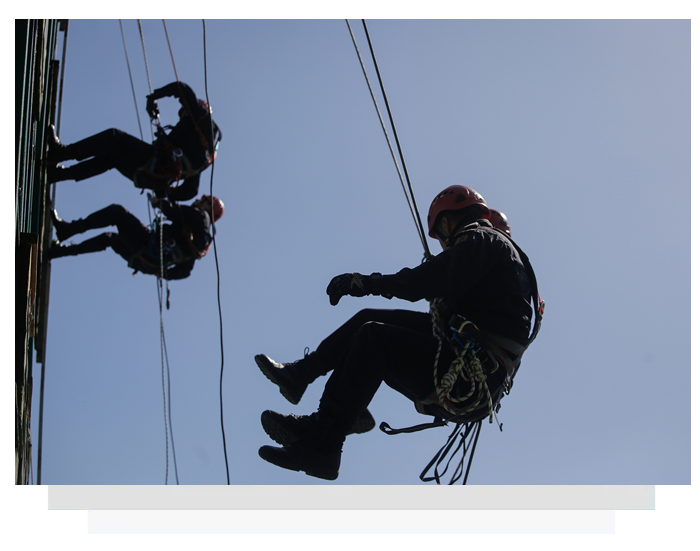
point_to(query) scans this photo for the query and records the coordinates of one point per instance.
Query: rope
(128, 66)
(148, 73)
(165, 368)
(473, 367)
(202, 139)
(171, 50)
(216, 258)
(165, 363)
(162, 363)
(463, 445)
(159, 285)
(414, 208)
(381, 121)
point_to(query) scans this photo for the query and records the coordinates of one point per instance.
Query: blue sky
(579, 130)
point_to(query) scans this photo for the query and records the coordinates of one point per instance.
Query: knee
(369, 331)
(117, 209)
(115, 214)
(365, 316)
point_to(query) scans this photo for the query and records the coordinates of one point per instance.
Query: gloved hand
(355, 285)
(347, 284)
(152, 107)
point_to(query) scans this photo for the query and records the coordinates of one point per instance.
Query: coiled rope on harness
(472, 366)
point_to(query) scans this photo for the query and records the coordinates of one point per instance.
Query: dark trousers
(132, 234)
(396, 347)
(104, 151)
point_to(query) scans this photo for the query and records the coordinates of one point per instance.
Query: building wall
(36, 85)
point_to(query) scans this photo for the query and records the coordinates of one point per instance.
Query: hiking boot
(58, 250)
(64, 229)
(61, 226)
(303, 456)
(287, 429)
(285, 376)
(56, 148)
(364, 423)
(55, 173)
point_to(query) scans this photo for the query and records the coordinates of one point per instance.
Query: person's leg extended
(377, 352)
(294, 377)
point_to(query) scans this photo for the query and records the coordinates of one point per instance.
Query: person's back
(498, 297)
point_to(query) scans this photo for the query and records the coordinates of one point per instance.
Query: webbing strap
(386, 429)
(463, 445)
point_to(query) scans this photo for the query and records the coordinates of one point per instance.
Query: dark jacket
(190, 134)
(185, 239)
(482, 278)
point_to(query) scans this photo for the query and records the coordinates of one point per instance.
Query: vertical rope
(386, 133)
(145, 59)
(172, 57)
(398, 144)
(216, 259)
(128, 66)
(159, 221)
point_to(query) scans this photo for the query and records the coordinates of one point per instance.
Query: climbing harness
(473, 350)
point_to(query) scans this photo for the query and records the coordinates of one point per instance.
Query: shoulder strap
(534, 293)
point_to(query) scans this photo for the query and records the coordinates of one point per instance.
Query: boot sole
(290, 467)
(278, 433)
(283, 436)
(363, 425)
(268, 371)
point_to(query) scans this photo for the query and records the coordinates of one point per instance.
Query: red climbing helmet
(216, 204)
(499, 220)
(453, 198)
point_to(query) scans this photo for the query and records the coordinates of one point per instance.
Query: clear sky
(579, 130)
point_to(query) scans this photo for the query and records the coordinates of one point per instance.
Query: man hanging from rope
(481, 283)
(293, 378)
(181, 154)
(185, 240)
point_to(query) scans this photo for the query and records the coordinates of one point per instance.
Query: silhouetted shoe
(58, 250)
(61, 226)
(287, 429)
(55, 173)
(303, 456)
(364, 423)
(285, 376)
(56, 149)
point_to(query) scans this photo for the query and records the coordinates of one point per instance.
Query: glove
(355, 285)
(152, 107)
